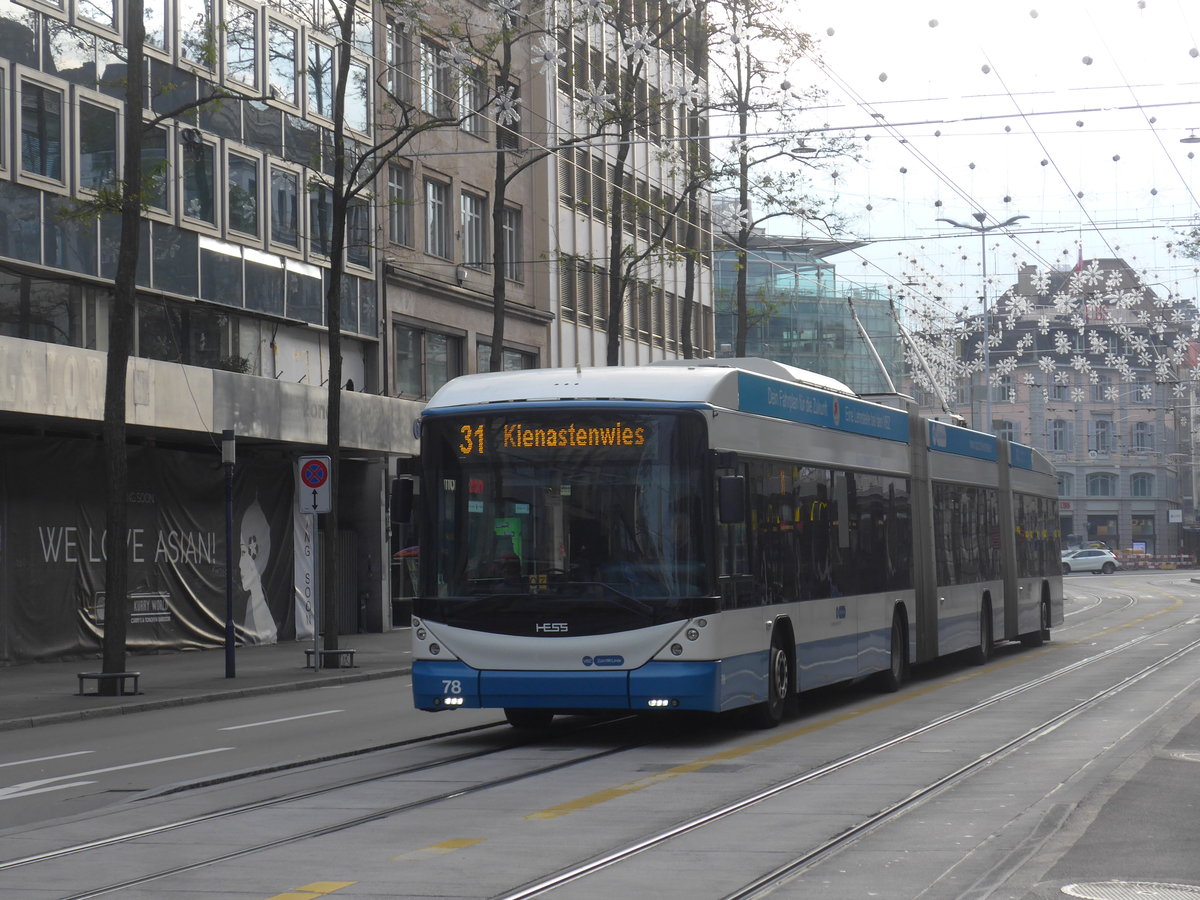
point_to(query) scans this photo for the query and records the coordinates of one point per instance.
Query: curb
(168, 702)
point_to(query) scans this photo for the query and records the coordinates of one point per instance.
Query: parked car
(1090, 559)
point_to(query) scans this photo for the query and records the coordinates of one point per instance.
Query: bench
(345, 658)
(121, 678)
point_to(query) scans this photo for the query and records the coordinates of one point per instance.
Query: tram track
(583, 870)
(813, 855)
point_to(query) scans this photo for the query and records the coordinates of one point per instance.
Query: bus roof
(709, 381)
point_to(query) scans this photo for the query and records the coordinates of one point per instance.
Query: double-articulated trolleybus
(711, 535)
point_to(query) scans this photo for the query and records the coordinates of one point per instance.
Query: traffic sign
(313, 490)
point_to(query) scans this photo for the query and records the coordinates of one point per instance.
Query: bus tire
(529, 719)
(890, 679)
(980, 655)
(769, 713)
(1039, 637)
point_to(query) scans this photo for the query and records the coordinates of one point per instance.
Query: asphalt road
(1077, 763)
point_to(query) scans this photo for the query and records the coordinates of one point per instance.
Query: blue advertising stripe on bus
(1020, 456)
(768, 397)
(961, 441)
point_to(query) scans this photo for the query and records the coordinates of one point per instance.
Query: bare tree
(766, 173)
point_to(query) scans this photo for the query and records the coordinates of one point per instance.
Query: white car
(1090, 560)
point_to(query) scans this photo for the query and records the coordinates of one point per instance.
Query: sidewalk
(45, 693)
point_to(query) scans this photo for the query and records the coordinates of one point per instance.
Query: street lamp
(987, 326)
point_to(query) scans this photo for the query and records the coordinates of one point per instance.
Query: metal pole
(316, 596)
(987, 334)
(228, 450)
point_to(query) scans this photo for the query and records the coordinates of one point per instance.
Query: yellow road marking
(311, 891)
(565, 809)
(438, 849)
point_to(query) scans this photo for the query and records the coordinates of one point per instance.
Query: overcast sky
(1013, 109)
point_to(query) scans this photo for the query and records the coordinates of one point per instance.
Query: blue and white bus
(711, 535)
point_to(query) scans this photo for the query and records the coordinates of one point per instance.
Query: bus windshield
(602, 506)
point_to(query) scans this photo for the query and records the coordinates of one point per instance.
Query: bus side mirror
(402, 500)
(731, 499)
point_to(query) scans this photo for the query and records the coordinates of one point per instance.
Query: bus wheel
(980, 655)
(891, 678)
(529, 719)
(1039, 637)
(779, 685)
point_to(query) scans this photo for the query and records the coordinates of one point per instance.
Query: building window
(425, 360)
(1100, 438)
(98, 159)
(281, 62)
(285, 207)
(400, 201)
(156, 168)
(320, 79)
(1102, 390)
(197, 39)
(1066, 484)
(400, 62)
(511, 361)
(1061, 432)
(358, 106)
(511, 226)
(243, 194)
(41, 130)
(1003, 428)
(1141, 484)
(1102, 484)
(98, 12)
(1143, 437)
(1002, 391)
(320, 219)
(437, 218)
(1060, 392)
(241, 44)
(358, 233)
(437, 88)
(199, 179)
(472, 223)
(156, 12)
(472, 97)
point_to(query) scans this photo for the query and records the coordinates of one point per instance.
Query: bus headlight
(421, 634)
(435, 649)
(677, 649)
(693, 634)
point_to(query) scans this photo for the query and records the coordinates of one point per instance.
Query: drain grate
(1131, 890)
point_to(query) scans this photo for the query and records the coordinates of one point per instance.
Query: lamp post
(987, 325)
(228, 450)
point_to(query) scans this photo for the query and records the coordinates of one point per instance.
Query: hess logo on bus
(551, 628)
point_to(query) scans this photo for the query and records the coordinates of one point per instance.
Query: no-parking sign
(313, 485)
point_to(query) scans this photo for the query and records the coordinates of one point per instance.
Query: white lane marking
(38, 759)
(46, 789)
(327, 712)
(16, 790)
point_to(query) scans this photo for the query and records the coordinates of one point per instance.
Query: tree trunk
(120, 341)
(332, 573)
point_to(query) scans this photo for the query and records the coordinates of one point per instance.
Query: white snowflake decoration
(547, 55)
(1077, 395)
(507, 107)
(592, 12)
(595, 101)
(684, 93)
(456, 56)
(505, 11)
(638, 44)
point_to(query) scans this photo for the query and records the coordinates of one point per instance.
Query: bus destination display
(487, 438)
